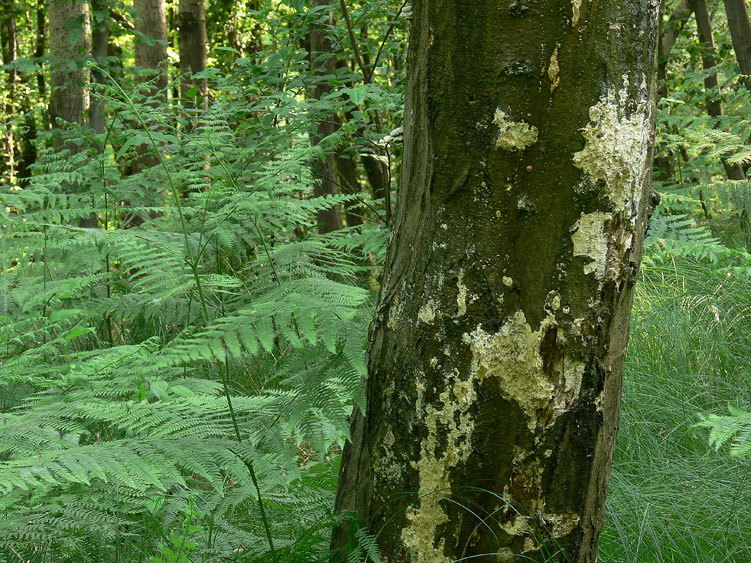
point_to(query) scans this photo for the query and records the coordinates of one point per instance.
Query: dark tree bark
(322, 64)
(8, 40)
(70, 41)
(151, 44)
(497, 349)
(192, 40)
(740, 31)
(100, 36)
(712, 81)
(39, 44)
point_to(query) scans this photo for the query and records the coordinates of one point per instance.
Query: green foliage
(671, 496)
(179, 345)
(734, 430)
(154, 311)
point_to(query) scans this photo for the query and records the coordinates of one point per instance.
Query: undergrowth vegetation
(180, 346)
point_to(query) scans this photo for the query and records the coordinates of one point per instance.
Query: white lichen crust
(513, 135)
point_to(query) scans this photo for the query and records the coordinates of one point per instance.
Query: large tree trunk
(324, 164)
(740, 31)
(69, 43)
(712, 81)
(192, 39)
(497, 349)
(151, 44)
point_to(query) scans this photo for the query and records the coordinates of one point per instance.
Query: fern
(733, 430)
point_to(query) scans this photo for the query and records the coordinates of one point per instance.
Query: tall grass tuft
(673, 497)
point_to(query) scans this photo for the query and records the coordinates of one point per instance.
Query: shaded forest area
(195, 208)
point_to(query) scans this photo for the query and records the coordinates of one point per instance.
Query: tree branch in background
(670, 32)
(366, 76)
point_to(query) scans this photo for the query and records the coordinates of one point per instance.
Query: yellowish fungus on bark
(591, 241)
(453, 423)
(553, 71)
(617, 145)
(513, 355)
(513, 135)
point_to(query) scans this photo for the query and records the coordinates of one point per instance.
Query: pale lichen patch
(513, 355)
(617, 146)
(461, 296)
(427, 312)
(435, 466)
(590, 240)
(576, 6)
(553, 71)
(507, 281)
(561, 525)
(513, 135)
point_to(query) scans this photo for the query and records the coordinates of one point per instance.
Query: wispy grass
(673, 498)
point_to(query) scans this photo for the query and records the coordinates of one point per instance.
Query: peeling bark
(497, 349)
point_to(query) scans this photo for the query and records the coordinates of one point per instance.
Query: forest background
(195, 208)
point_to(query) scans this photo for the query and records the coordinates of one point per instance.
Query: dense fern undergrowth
(180, 348)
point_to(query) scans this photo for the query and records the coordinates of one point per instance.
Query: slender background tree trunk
(322, 63)
(8, 36)
(740, 31)
(192, 39)
(712, 81)
(70, 41)
(668, 36)
(100, 36)
(497, 349)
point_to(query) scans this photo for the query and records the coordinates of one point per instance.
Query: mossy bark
(497, 349)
